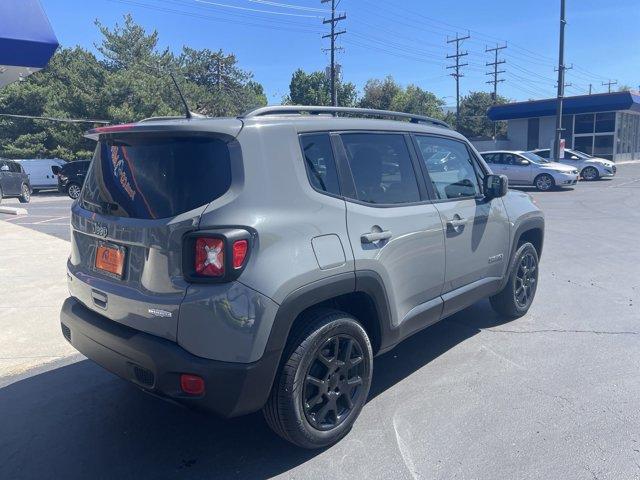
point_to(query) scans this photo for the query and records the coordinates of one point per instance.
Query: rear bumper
(155, 364)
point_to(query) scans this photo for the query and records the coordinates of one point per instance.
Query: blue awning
(601, 102)
(26, 37)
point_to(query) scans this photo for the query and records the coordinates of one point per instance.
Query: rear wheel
(544, 182)
(73, 190)
(324, 382)
(517, 296)
(25, 194)
(590, 173)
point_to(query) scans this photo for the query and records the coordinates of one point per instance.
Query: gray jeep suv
(260, 262)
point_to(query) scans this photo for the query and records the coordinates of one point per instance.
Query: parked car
(13, 181)
(71, 177)
(591, 168)
(526, 168)
(260, 262)
(40, 172)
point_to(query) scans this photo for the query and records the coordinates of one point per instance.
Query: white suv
(526, 168)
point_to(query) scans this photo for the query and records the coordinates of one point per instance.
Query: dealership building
(605, 125)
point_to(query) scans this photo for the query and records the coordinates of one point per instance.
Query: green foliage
(388, 95)
(473, 115)
(128, 83)
(314, 89)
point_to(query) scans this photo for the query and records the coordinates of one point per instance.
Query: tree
(380, 94)
(314, 89)
(473, 115)
(128, 83)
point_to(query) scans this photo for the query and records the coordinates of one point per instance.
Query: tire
(590, 174)
(25, 194)
(319, 412)
(508, 301)
(73, 190)
(544, 182)
(0, 194)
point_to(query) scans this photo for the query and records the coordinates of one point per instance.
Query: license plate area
(110, 259)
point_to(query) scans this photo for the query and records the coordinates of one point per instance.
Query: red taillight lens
(240, 249)
(191, 384)
(209, 258)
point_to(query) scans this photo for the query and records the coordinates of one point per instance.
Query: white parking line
(50, 220)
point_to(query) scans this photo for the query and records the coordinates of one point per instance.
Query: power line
(457, 66)
(609, 83)
(333, 21)
(495, 74)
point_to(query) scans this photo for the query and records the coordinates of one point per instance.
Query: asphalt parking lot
(48, 213)
(552, 395)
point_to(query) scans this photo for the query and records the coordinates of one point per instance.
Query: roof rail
(361, 112)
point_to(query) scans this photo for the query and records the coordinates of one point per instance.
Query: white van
(40, 172)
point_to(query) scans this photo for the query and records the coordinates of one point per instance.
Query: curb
(13, 210)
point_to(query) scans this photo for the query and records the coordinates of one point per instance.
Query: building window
(584, 123)
(603, 146)
(584, 144)
(567, 125)
(533, 132)
(605, 122)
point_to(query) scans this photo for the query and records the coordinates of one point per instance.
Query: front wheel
(324, 382)
(25, 194)
(74, 190)
(544, 182)
(589, 174)
(517, 295)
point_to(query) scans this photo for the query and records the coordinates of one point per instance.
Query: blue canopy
(26, 37)
(601, 102)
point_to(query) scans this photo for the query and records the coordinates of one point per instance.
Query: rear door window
(152, 176)
(381, 167)
(320, 163)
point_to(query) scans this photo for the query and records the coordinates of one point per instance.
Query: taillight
(191, 384)
(240, 249)
(209, 257)
(216, 255)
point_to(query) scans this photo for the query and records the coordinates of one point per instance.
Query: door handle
(457, 223)
(373, 237)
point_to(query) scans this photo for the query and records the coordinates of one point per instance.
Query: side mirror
(4, 168)
(524, 163)
(495, 186)
(55, 169)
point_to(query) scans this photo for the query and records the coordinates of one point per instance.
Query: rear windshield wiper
(103, 206)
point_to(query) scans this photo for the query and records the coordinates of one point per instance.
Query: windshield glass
(150, 176)
(534, 158)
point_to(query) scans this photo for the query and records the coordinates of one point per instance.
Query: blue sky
(402, 38)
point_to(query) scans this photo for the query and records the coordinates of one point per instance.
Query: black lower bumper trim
(155, 364)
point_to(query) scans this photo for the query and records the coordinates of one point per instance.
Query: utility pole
(458, 40)
(609, 83)
(495, 80)
(334, 20)
(590, 89)
(561, 69)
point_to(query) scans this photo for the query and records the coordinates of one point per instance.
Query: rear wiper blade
(104, 206)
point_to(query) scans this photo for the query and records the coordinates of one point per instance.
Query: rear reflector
(191, 384)
(240, 248)
(209, 257)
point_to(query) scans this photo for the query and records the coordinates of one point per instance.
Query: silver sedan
(526, 169)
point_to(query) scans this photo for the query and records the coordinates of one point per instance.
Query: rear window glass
(156, 177)
(321, 166)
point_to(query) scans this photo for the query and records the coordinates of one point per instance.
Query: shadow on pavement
(79, 421)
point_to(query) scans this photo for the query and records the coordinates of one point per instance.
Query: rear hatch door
(144, 191)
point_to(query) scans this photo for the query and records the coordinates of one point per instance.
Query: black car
(14, 182)
(71, 177)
